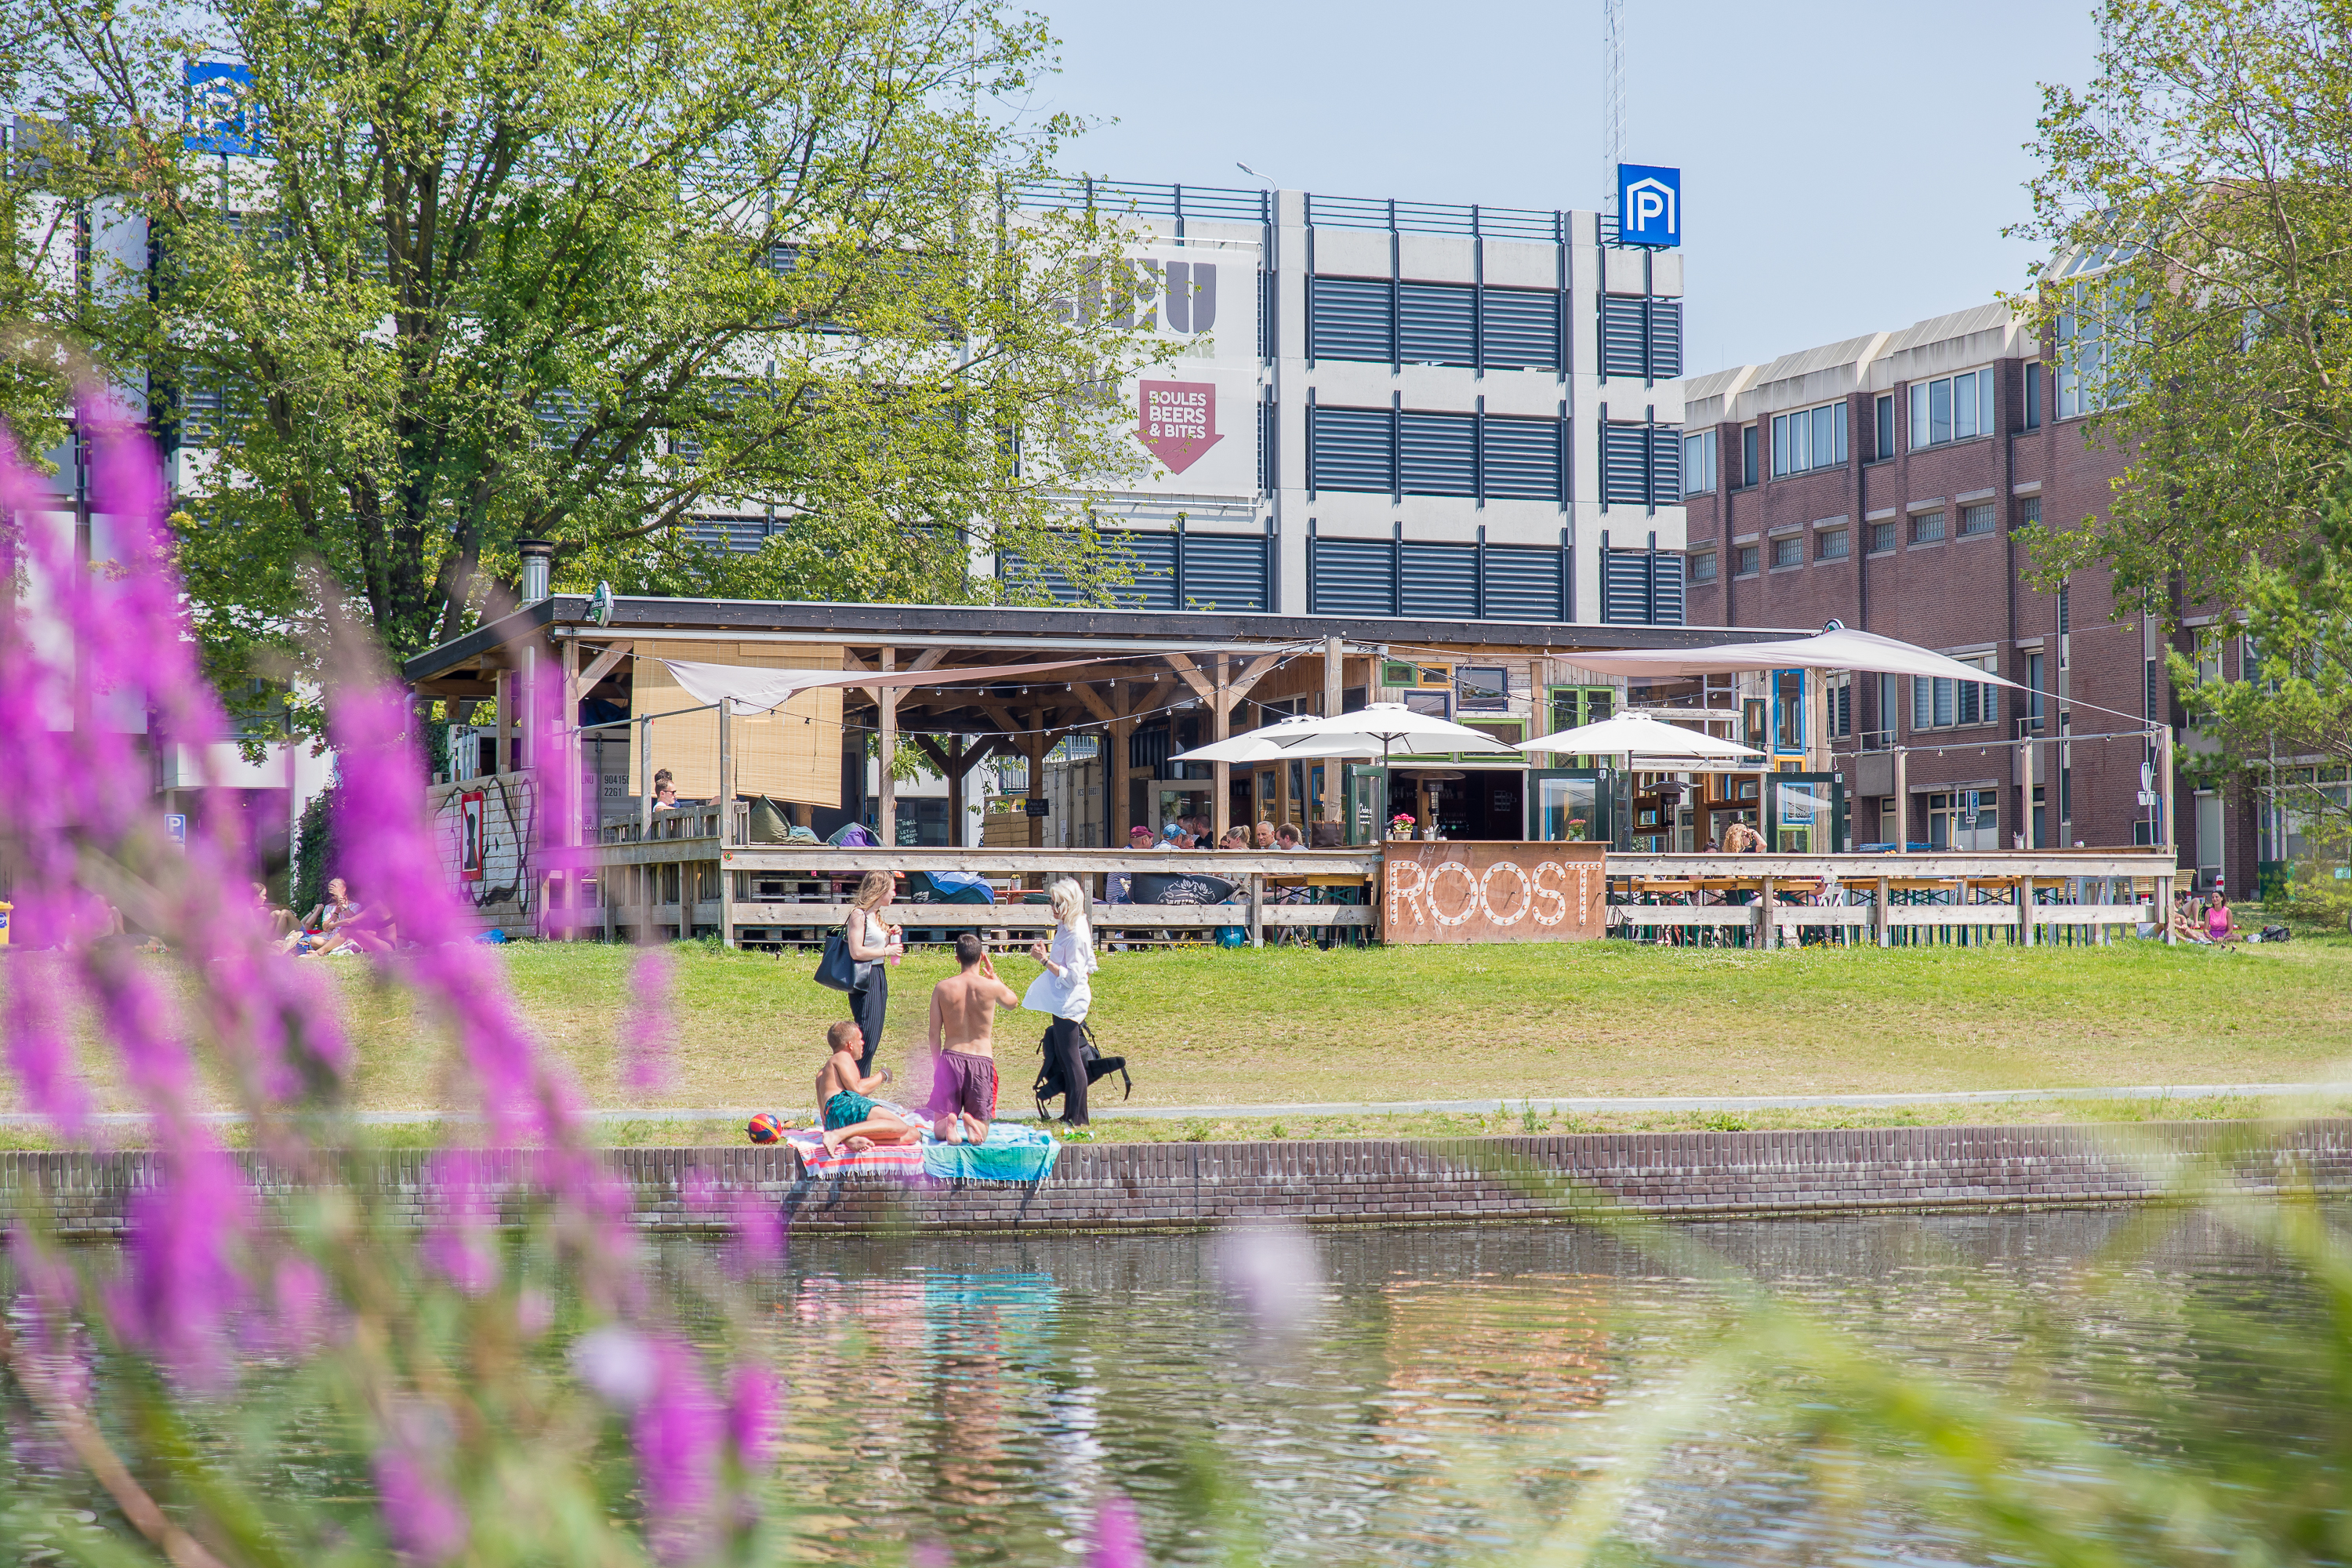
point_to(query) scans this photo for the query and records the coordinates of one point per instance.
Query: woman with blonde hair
(873, 947)
(1063, 991)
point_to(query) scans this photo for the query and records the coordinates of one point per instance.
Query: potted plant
(1575, 830)
(1401, 825)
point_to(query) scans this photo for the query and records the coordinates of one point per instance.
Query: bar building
(1882, 482)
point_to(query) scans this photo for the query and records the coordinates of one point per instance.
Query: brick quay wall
(1179, 1186)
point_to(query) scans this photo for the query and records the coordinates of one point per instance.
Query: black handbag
(836, 970)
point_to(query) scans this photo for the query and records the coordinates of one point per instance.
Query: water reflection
(1450, 1390)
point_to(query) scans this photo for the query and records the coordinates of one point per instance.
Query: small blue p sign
(1649, 205)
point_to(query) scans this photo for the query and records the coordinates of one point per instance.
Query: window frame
(1844, 544)
(1747, 560)
(1982, 414)
(1977, 511)
(1969, 704)
(1802, 429)
(1920, 522)
(1691, 566)
(1788, 551)
(1889, 530)
(1699, 474)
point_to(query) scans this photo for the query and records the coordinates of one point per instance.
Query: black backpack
(1049, 1085)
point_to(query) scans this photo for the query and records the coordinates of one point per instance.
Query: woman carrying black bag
(1063, 991)
(873, 947)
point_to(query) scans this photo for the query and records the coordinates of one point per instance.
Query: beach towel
(1013, 1153)
(902, 1161)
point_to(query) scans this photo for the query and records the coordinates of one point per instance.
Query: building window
(1954, 408)
(2033, 687)
(1789, 709)
(2029, 512)
(2082, 356)
(1882, 431)
(1830, 544)
(1481, 689)
(1964, 819)
(1882, 538)
(1702, 566)
(1837, 693)
(1749, 471)
(1788, 551)
(1698, 463)
(1745, 561)
(1928, 528)
(1943, 702)
(1976, 520)
(2032, 395)
(1814, 439)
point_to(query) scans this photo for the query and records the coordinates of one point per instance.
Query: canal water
(1431, 1397)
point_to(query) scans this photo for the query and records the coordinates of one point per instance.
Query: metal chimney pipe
(536, 556)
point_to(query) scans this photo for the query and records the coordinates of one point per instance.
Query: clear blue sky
(1847, 167)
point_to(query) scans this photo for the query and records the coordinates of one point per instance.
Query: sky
(1847, 167)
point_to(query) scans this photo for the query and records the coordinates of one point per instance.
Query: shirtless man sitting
(963, 1046)
(851, 1118)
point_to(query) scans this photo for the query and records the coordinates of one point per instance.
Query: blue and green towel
(1013, 1153)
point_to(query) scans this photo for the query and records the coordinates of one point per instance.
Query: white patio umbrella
(1268, 744)
(1375, 727)
(1635, 733)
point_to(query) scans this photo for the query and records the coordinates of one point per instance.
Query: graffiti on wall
(486, 830)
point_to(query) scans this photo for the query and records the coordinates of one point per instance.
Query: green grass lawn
(1207, 1027)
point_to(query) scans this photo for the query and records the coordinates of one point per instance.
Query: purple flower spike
(755, 1407)
(1119, 1541)
(425, 1520)
(646, 1040)
(678, 1432)
(459, 1244)
(39, 1053)
(183, 1284)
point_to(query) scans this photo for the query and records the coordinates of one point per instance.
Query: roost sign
(1493, 892)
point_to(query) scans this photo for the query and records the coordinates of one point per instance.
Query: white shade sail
(1637, 733)
(1836, 648)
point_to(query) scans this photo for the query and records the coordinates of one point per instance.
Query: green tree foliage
(2197, 203)
(508, 268)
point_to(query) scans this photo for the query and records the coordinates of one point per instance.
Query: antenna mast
(1613, 98)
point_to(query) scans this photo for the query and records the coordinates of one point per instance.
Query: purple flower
(183, 1284)
(676, 1433)
(459, 1242)
(39, 1053)
(421, 1514)
(755, 1404)
(756, 1220)
(1118, 1541)
(647, 1034)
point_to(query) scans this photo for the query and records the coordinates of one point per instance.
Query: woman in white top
(872, 946)
(1063, 991)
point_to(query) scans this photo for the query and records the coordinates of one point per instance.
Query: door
(1367, 803)
(1805, 813)
(1568, 805)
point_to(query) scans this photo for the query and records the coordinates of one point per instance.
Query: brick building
(1881, 482)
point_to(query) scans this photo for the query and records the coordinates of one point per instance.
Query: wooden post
(1118, 814)
(1767, 930)
(1220, 774)
(1038, 745)
(2025, 911)
(726, 824)
(1902, 800)
(1335, 769)
(502, 688)
(885, 810)
(1882, 917)
(1257, 908)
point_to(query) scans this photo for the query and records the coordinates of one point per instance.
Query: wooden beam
(602, 667)
(929, 659)
(1095, 705)
(885, 817)
(1259, 668)
(1183, 665)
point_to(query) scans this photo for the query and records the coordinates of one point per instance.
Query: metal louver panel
(1624, 348)
(1151, 558)
(1665, 339)
(1438, 453)
(1016, 569)
(1353, 577)
(742, 534)
(1225, 572)
(1624, 475)
(1665, 588)
(1347, 318)
(1522, 329)
(1666, 465)
(1440, 581)
(1625, 587)
(1350, 450)
(1436, 323)
(1523, 583)
(1523, 458)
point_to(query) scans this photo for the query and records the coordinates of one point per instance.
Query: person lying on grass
(852, 1121)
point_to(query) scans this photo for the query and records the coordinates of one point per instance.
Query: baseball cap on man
(1138, 831)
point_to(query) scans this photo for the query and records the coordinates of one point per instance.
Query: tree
(2196, 201)
(507, 268)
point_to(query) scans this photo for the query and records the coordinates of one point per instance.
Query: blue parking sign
(1649, 205)
(220, 118)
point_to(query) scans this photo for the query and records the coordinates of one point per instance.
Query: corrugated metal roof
(1995, 317)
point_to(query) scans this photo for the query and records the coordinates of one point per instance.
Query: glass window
(1952, 408)
(1789, 550)
(1702, 566)
(1883, 433)
(2033, 396)
(1976, 520)
(1747, 560)
(1748, 473)
(1964, 819)
(1926, 528)
(1947, 702)
(1789, 709)
(2033, 669)
(1831, 545)
(1882, 538)
(1698, 462)
(1481, 689)
(1814, 439)
(1964, 406)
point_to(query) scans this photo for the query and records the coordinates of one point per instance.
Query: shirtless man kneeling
(963, 1047)
(851, 1118)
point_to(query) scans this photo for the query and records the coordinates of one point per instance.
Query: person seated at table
(1286, 838)
(665, 793)
(1266, 835)
(1742, 838)
(852, 1120)
(1234, 838)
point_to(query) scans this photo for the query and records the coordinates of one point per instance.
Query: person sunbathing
(852, 1120)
